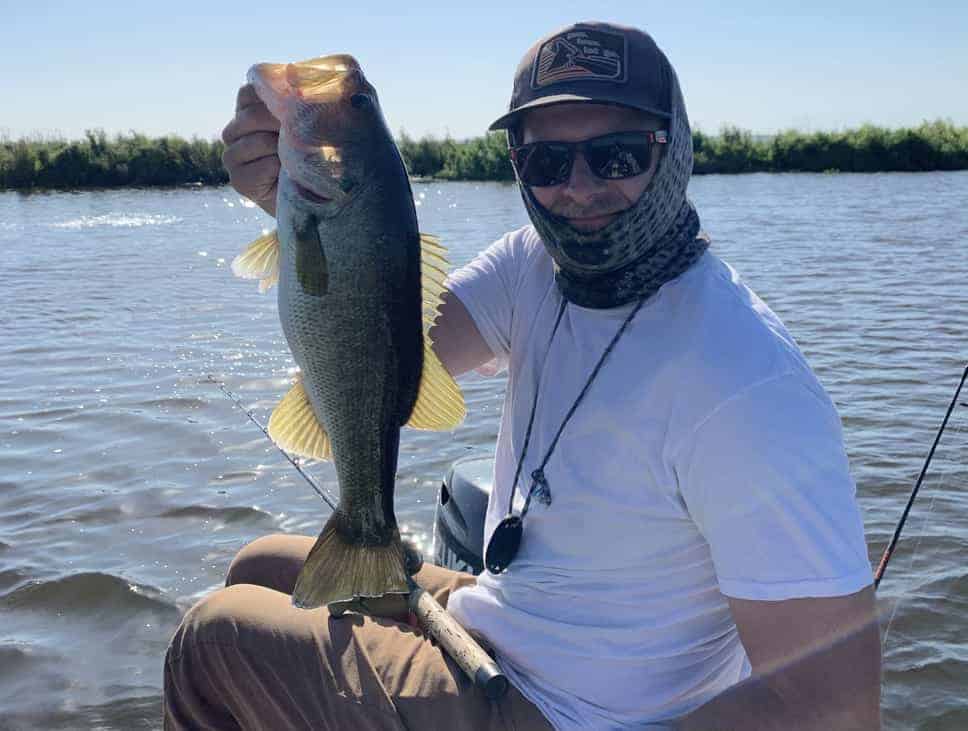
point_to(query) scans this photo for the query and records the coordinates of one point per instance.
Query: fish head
(329, 119)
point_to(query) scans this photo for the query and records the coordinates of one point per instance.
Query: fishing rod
(433, 618)
(294, 463)
(888, 552)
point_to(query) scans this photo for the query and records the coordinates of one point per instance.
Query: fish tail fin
(259, 261)
(342, 573)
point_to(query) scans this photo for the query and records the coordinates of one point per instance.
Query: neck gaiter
(647, 245)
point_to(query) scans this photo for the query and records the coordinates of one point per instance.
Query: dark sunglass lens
(615, 157)
(544, 164)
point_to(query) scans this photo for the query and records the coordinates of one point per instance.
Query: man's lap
(275, 663)
(274, 561)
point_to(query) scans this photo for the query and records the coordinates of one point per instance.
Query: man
(673, 537)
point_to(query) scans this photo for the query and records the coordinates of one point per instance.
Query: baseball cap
(592, 62)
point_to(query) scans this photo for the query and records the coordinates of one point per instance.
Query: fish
(358, 289)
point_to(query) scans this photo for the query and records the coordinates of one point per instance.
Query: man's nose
(582, 180)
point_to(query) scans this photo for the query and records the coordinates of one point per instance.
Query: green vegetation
(136, 160)
(937, 145)
(99, 162)
(479, 158)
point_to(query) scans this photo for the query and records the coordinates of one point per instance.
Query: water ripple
(86, 593)
(220, 514)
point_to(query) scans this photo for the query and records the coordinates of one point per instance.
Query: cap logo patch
(585, 54)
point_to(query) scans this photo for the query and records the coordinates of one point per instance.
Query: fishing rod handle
(456, 642)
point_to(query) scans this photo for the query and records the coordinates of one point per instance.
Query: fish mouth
(309, 194)
(315, 81)
(319, 78)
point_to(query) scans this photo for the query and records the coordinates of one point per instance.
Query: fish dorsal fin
(440, 405)
(294, 427)
(259, 261)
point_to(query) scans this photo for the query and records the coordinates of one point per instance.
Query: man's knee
(238, 622)
(442, 582)
(240, 644)
(215, 620)
(246, 564)
(272, 561)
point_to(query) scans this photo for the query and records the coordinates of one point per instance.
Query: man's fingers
(255, 179)
(250, 148)
(255, 118)
(246, 97)
(251, 154)
(258, 181)
(268, 202)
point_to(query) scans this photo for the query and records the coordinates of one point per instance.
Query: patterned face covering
(645, 246)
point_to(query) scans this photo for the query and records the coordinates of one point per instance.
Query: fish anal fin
(295, 428)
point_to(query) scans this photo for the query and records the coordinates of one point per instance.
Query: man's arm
(456, 340)
(816, 665)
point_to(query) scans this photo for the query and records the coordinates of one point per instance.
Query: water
(127, 481)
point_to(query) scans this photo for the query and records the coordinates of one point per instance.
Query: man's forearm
(834, 688)
(754, 705)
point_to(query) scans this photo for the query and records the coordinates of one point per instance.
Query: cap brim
(509, 119)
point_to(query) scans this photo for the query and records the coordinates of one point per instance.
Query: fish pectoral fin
(312, 271)
(259, 261)
(440, 405)
(295, 428)
(343, 575)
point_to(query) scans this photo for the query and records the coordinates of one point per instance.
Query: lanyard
(506, 539)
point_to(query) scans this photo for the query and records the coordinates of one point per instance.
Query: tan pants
(244, 657)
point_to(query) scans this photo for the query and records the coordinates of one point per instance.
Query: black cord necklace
(506, 539)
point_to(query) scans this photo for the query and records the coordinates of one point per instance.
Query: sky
(446, 68)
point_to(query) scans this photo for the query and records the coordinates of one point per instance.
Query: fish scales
(360, 343)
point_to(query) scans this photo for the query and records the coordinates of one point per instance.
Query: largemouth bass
(358, 288)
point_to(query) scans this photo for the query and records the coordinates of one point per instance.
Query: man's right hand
(251, 154)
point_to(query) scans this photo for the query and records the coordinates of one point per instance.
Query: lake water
(127, 481)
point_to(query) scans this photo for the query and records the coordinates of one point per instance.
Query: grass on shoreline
(134, 159)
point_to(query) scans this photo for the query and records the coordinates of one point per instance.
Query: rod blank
(889, 551)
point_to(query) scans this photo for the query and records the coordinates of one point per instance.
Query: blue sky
(446, 68)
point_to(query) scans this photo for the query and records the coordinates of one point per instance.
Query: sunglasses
(610, 157)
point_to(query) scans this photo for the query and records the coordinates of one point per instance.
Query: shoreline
(134, 160)
(426, 180)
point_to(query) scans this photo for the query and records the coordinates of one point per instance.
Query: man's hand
(816, 666)
(251, 154)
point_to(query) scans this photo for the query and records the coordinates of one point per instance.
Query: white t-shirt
(705, 460)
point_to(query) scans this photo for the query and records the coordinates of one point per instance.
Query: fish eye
(359, 101)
